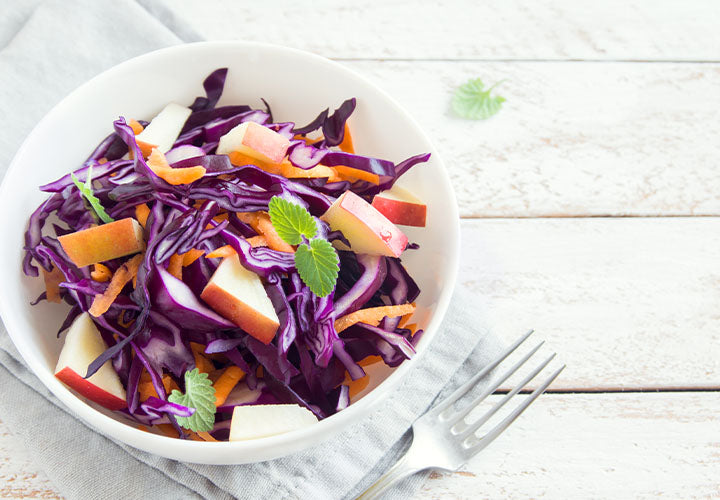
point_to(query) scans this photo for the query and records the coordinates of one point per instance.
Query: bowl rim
(151, 442)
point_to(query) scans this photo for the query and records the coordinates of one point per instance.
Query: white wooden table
(591, 212)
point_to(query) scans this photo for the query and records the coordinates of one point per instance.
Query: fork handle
(402, 469)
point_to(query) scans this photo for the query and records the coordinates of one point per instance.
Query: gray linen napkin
(46, 50)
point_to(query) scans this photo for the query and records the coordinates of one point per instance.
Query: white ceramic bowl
(298, 85)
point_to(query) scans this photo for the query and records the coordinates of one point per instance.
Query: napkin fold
(46, 50)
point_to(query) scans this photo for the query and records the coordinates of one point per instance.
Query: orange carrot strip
(146, 388)
(355, 386)
(203, 364)
(372, 315)
(194, 436)
(126, 272)
(257, 241)
(248, 217)
(223, 251)
(175, 176)
(292, 172)
(135, 126)
(142, 428)
(259, 372)
(347, 142)
(413, 327)
(175, 266)
(405, 319)
(355, 173)
(141, 214)
(226, 383)
(274, 241)
(168, 430)
(101, 273)
(52, 283)
(239, 159)
(370, 360)
(191, 256)
(207, 437)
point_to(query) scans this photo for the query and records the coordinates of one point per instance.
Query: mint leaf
(87, 192)
(473, 102)
(317, 264)
(199, 394)
(291, 221)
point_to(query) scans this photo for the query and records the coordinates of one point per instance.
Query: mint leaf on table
(473, 102)
(318, 266)
(200, 395)
(291, 221)
(87, 192)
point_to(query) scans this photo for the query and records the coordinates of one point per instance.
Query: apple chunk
(238, 295)
(164, 129)
(83, 344)
(255, 141)
(100, 243)
(258, 421)
(367, 230)
(400, 206)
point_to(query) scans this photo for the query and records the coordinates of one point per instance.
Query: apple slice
(400, 206)
(83, 344)
(258, 421)
(238, 295)
(367, 230)
(255, 141)
(164, 129)
(100, 243)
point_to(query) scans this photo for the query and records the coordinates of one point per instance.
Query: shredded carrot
(135, 126)
(347, 142)
(370, 360)
(194, 436)
(207, 437)
(126, 272)
(248, 217)
(259, 372)
(124, 324)
(141, 214)
(202, 363)
(226, 383)
(175, 176)
(274, 241)
(405, 318)
(413, 327)
(372, 315)
(257, 241)
(101, 273)
(175, 266)
(355, 386)
(147, 389)
(223, 251)
(104, 160)
(52, 283)
(191, 256)
(142, 428)
(352, 174)
(239, 159)
(168, 430)
(317, 172)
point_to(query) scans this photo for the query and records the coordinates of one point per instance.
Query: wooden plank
(573, 139)
(19, 476)
(597, 446)
(628, 303)
(467, 29)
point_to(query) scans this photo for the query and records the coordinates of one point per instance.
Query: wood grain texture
(466, 29)
(19, 477)
(573, 139)
(629, 303)
(597, 446)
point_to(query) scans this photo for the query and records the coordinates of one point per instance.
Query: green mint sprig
(473, 102)
(199, 394)
(316, 260)
(87, 192)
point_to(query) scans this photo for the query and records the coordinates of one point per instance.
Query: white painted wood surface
(612, 110)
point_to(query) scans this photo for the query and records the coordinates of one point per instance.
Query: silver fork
(443, 439)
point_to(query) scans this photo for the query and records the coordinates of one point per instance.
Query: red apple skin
(385, 234)
(405, 213)
(105, 242)
(267, 142)
(244, 316)
(68, 376)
